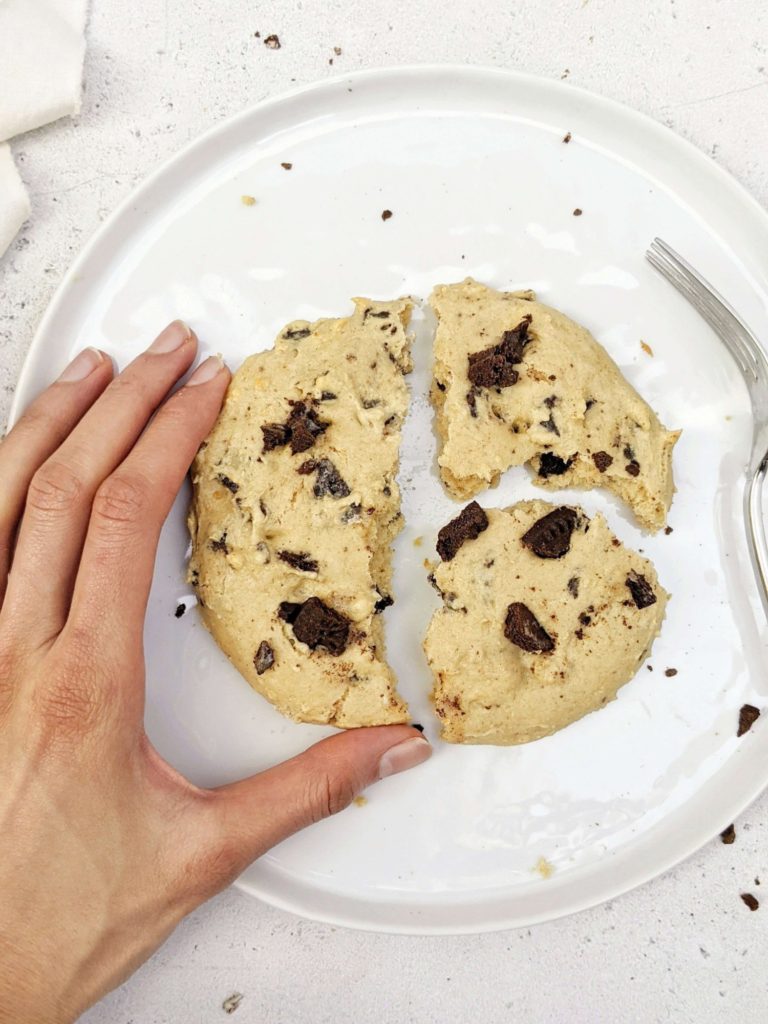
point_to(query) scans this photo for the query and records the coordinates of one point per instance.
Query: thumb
(255, 814)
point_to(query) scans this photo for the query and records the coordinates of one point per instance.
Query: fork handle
(758, 546)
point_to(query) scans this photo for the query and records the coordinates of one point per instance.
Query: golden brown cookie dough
(295, 506)
(518, 382)
(545, 615)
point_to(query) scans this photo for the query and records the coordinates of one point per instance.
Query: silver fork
(752, 361)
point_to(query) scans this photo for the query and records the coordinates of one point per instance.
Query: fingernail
(173, 337)
(82, 365)
(206, 371)
(405, 755)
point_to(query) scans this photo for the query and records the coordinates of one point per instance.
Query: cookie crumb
(668, 530)
(360, 801)
(337, 50)
(386, 214)
(232, 1002)
(544, 868)
(751, 901)
(418, 541)
(577, 212)
(646, 348)
(669, 672)
(248, 200)
(180, 609)
(748, 715)
(286, 166)
(728, 835)
(567, 137)
(272, 42)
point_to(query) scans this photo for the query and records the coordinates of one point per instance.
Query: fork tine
(711, 305)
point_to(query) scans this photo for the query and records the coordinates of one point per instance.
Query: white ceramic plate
(473, 166)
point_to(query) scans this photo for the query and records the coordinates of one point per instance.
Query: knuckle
(121, 500)
(55, 488)
(327, 794)
(68, 705)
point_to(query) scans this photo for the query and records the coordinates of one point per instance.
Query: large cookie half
(545, 615)
(518, 382)
(295, 505)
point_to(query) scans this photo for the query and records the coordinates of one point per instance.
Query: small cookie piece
(539, 624)
(516, 382)
(295, 506)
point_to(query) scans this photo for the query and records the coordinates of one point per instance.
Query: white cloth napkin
(41, 66)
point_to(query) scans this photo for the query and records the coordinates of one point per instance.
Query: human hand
(103, 846)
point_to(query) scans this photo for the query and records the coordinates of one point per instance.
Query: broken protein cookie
(518, 383)
(545, 616)
(292, 530)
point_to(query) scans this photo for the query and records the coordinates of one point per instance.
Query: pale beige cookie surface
(295, 505)
(518, 382)
(545, 615)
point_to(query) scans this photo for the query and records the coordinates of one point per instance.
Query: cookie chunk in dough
(518, 382)
(545, 615)
(295, 505)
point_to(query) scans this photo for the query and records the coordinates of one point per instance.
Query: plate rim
(343, 913)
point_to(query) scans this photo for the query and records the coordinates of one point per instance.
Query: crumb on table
(418, 541)
(386, 214)
(646, 348)
(232, 1002)
(247, 200)
(360, 801)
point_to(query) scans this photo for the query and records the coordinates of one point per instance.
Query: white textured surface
(683, 949)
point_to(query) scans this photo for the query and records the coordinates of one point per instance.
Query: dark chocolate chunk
(602, 460)
(522, 628)
(472, 403)
(286, 166)
(468, 525)
(550, 425)
(328, 481)
(317, 625)
(440, 386)
(667, 530)
(577, 212)
(551, 402)
(351, 513)
(748, 715)
(275, 436)
(633, 468)
(567, 137)
(573, 586)
(494, 367)
(272, 42)
(750, 900)
(300, 430)
(264, 658)
(728, 835)
(297, 333)
(298, 560)
(386, 214)
(552, 465)
(629, 452)
(328, 396)
(229, 484)
(382, 314)
(220, 544)
(585, 619)
(669, 672)
(180, 609)
(550, 536)
(640, 589)
(385, 601)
